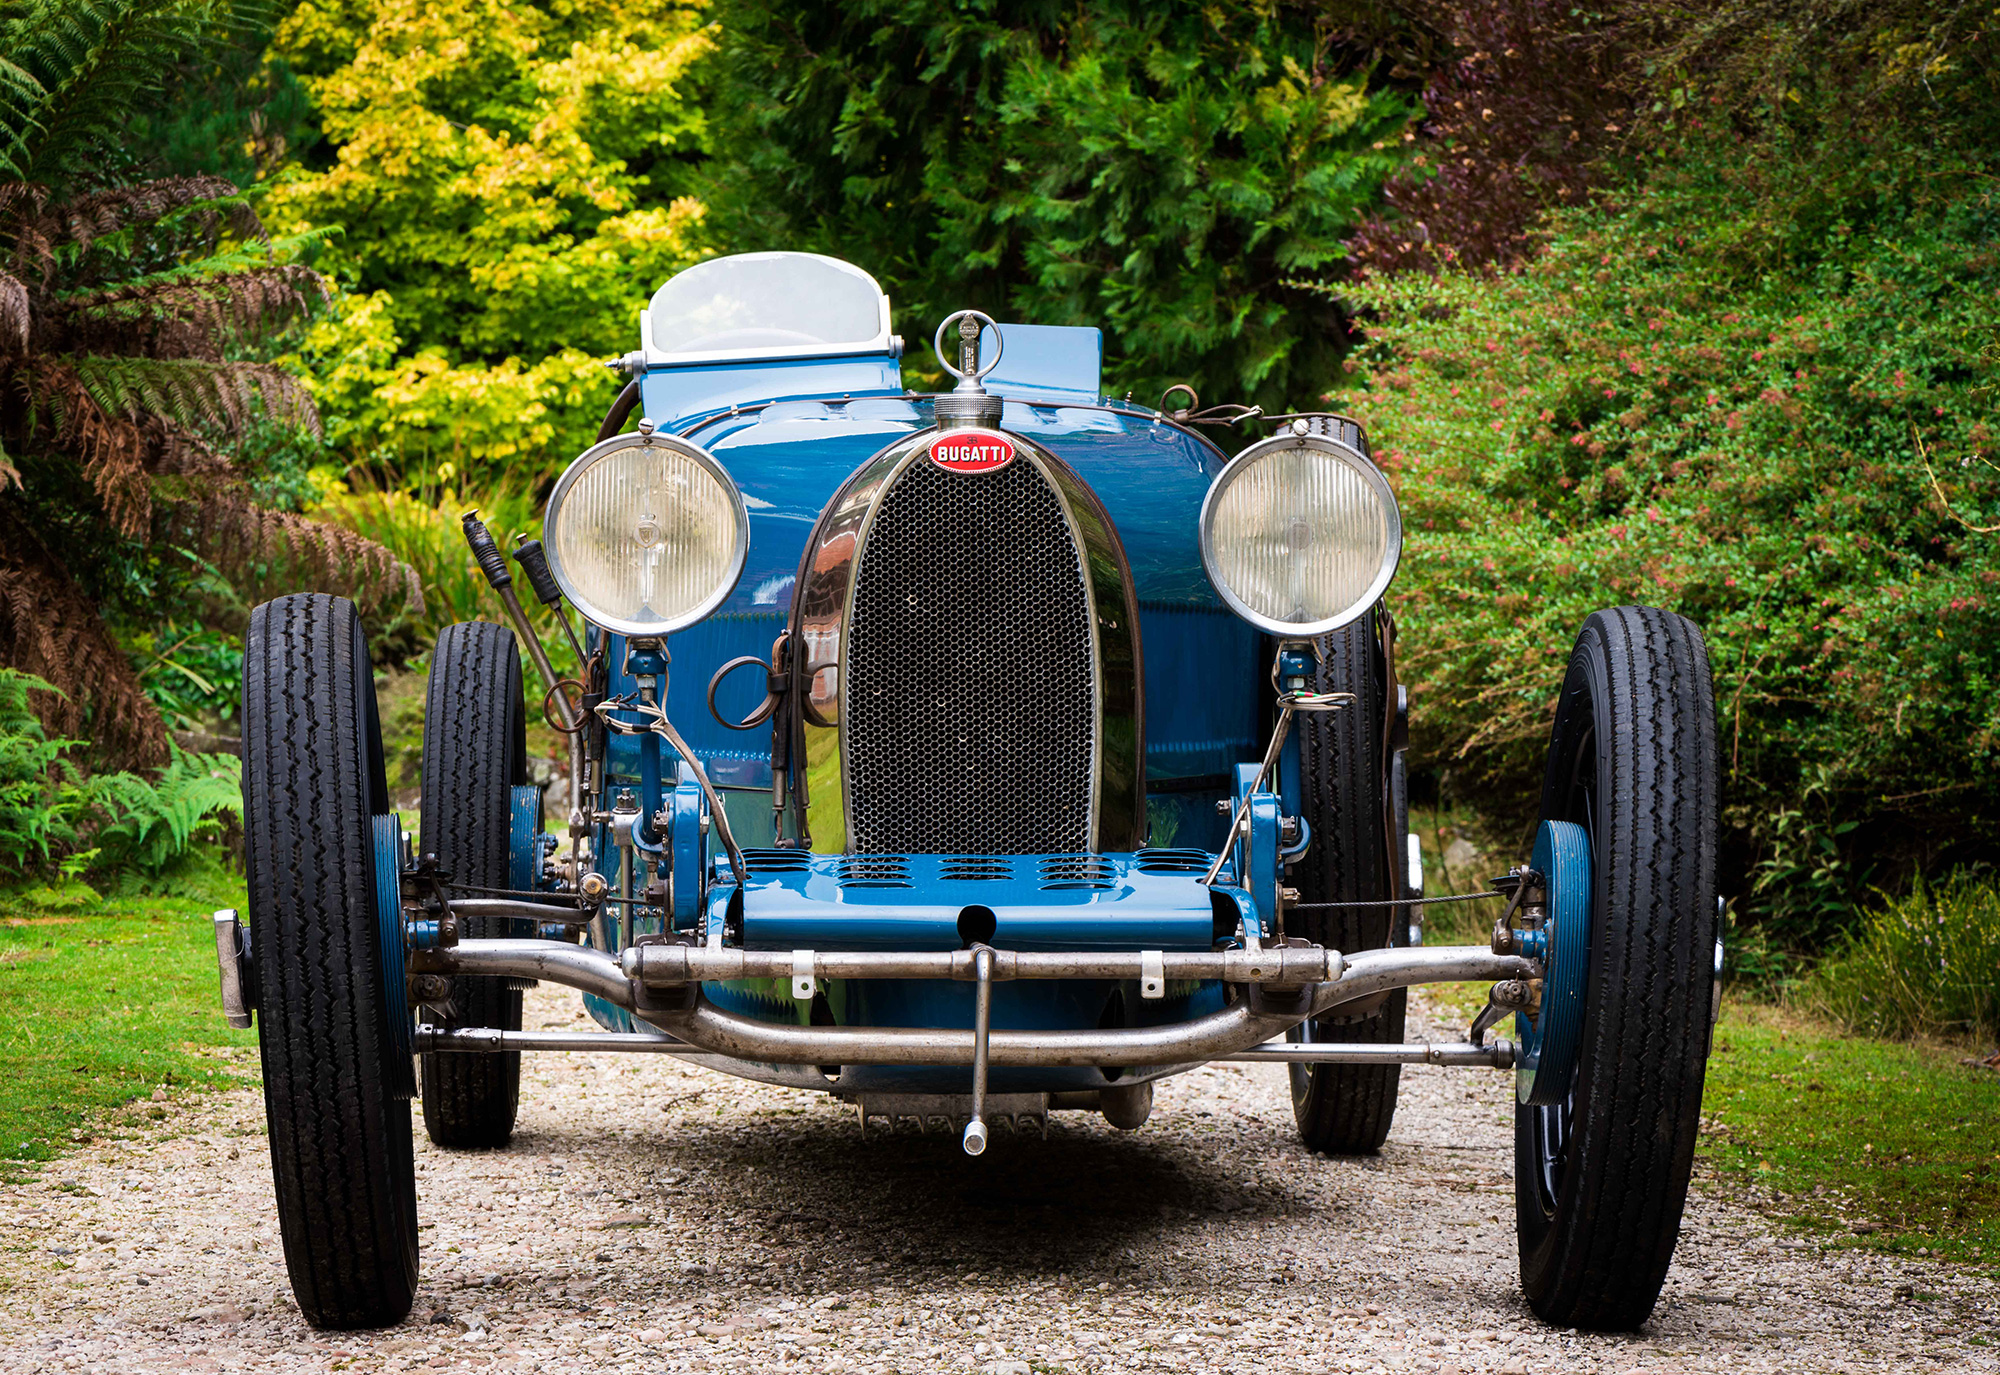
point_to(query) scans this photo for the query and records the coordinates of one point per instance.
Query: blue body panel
(1151, 900)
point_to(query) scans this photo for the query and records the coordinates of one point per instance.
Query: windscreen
(766, 300)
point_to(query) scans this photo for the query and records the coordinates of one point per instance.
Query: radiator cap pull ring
(968, 404)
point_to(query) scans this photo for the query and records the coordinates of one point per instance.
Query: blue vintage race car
(1108, 743)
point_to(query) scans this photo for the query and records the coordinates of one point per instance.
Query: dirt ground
(651, 1217)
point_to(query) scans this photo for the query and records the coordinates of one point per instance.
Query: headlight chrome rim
(739, 510)
(1362, 467)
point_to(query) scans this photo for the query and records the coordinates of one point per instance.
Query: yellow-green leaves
(510, 180)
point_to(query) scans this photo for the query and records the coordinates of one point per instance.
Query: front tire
(475, 753)
(1601, 1178)
(336, 1073)
(1347, 1109)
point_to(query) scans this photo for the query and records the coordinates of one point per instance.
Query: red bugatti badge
(972, 451)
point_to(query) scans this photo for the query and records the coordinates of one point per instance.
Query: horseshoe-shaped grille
(970, 697)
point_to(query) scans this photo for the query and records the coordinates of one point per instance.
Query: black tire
(475, 752)
(1347, 1109)
(335, 1096)
(1600, 1180)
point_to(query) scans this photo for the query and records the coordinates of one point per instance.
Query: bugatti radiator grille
(969, 706)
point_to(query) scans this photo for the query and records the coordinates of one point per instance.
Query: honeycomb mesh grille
(970, 694)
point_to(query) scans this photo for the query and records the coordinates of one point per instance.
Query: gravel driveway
(655, 1217)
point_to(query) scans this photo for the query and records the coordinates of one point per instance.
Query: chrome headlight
(646, 534)
(1300, 534)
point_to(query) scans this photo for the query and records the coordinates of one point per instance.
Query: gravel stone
(653, 1217)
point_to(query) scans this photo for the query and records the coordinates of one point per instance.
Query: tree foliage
(1176, 174)
(1523, 103)
(507, 186)
(129, 314)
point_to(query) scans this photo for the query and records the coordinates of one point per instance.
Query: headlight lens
(646, 534)
(1300, 534)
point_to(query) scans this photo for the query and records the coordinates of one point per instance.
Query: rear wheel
(332, 1019)
(475, 752)
(1347, 1109)
(1601, 1174)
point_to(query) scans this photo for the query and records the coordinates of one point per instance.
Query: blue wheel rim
(388, 836)
(1546, 1069)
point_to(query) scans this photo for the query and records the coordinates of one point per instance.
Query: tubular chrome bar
(661, 966)
(974, 1139)
(485, 1040)
(577, 966)
(568, 913)
(1204, 1038)
(1237, 1028)
(1497, 1053)
(228, 960)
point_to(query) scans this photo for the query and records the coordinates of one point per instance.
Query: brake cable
(657, 722)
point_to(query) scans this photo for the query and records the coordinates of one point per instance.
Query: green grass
(101, 1005)
(1898, 1136)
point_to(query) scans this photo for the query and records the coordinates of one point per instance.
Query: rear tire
(1601, 1179)
(475, 752)
(1347, 1109)
(335, 1097)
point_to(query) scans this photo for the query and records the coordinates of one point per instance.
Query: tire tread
(340, 1141)
(1348, 1109)
(474, 751)
(1602, 1259)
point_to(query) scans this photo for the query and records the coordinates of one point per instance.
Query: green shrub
(1924, 964)
(423, 529)
(1176, 174)
(149, 824)
(192, 670)
(118, 828)
(1758, 390)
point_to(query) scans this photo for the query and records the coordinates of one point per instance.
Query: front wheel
(475, 754)
(332, 1016)
(1347, 1109)
(1604, 1134)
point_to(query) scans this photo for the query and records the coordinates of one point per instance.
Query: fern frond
(195, 394)
(149, 824)
(243, 302)
(94, 60)
(20, 96)
(80, 221)
(287, 251)
(49, 627)
(253, 545)
(16, 314)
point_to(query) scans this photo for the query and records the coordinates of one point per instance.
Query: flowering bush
(1760, 395)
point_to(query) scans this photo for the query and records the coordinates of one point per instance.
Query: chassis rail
(1284, 987)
